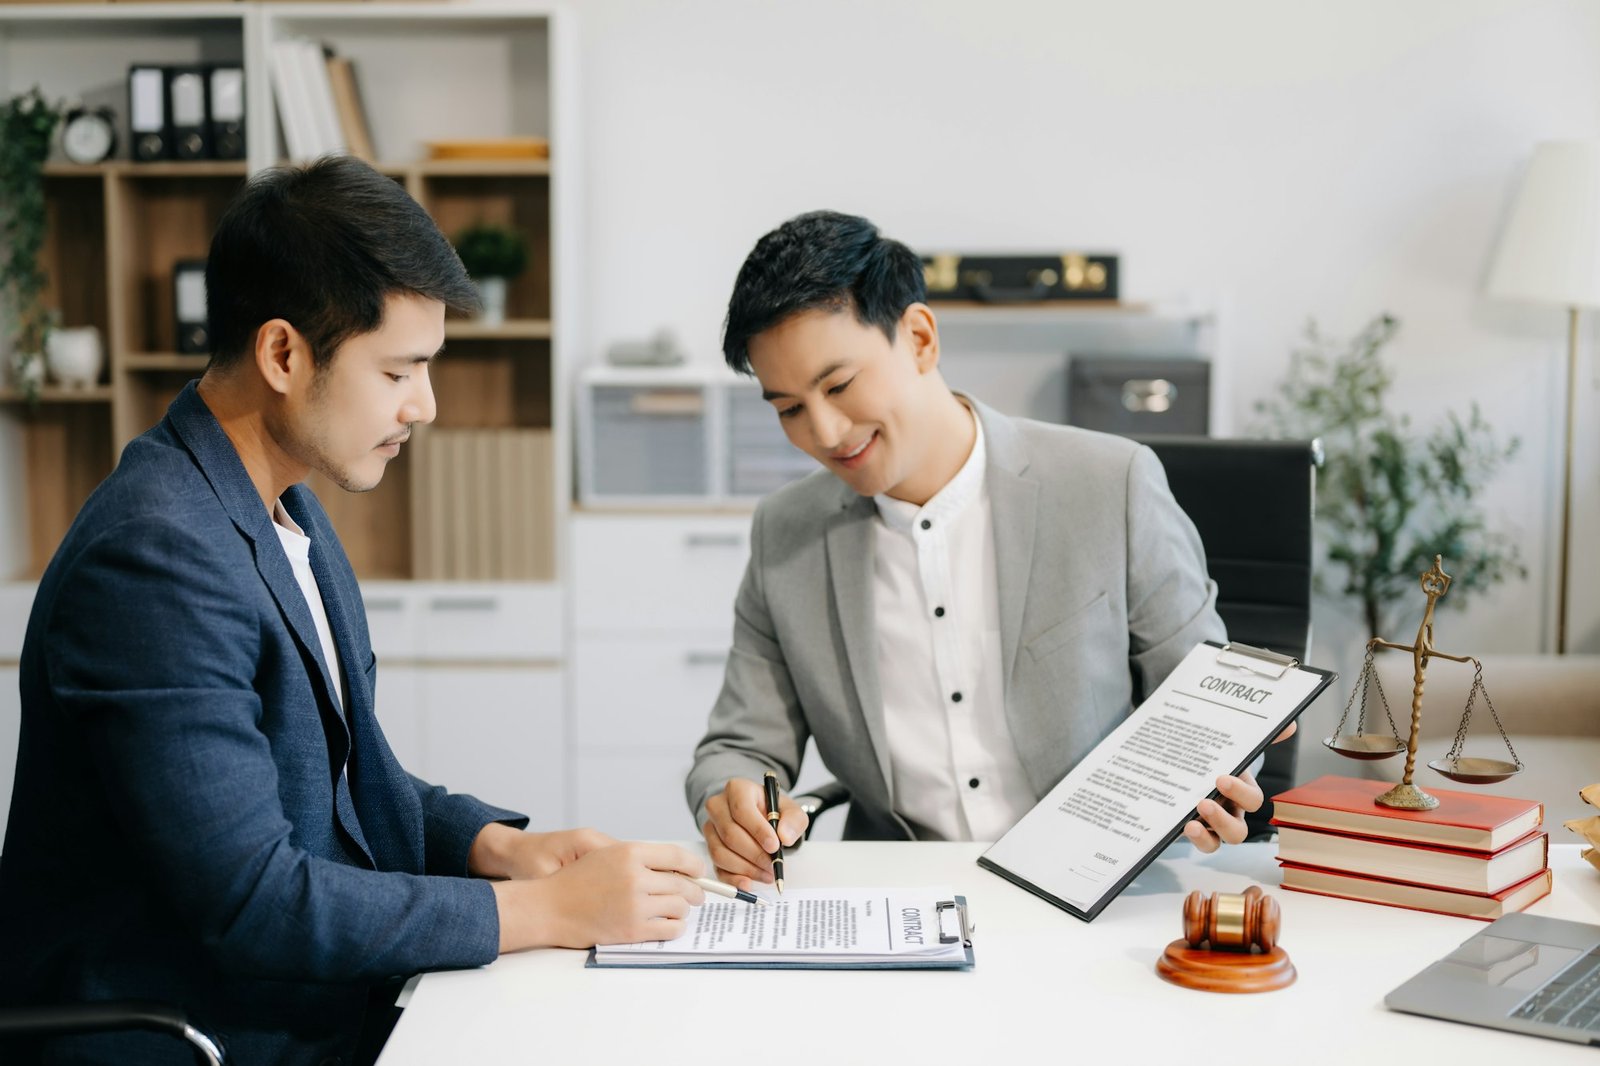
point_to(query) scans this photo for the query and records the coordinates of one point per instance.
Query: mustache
(401, 439)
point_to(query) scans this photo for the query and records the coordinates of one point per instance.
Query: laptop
(1524, 973)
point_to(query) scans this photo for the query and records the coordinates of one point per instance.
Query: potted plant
(27, 126)
(1389, 498)
(492, 255)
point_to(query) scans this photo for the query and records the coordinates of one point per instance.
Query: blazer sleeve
(451, 821)
(1172, 601)
(756, 724)
(153, 647)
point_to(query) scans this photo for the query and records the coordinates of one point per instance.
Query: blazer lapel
(195, 425)
(850, 558)
(1014, 503)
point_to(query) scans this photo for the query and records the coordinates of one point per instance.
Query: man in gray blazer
(960, 605)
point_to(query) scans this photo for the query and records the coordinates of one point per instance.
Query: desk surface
(1046, 986)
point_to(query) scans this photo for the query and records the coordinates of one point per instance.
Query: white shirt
(297, 546)
(956, 775)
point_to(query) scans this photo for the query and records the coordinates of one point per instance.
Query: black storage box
(1138, 396)
(1021, 278)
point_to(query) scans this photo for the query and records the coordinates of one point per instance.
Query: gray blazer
(1103, 589)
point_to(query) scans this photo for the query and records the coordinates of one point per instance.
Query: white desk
(1046, 987)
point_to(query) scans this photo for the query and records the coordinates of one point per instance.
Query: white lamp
(1550, 253)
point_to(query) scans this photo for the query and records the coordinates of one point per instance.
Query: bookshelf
(117, 228)
(464, 658)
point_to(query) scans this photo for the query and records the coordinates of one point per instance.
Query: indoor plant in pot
(493, 255)
(27, 125)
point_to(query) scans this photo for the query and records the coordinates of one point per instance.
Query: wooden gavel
(1230, 922)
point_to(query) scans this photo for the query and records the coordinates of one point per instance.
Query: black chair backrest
(1252, 502)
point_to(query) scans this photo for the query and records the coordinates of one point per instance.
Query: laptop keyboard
(1571, 998)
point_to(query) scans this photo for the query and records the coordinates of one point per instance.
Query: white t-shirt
(297, 546)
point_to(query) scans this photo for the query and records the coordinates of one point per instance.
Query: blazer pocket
(1092, 614)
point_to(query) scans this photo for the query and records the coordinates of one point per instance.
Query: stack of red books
(1474, 856)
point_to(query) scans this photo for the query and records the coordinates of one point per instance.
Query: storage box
(1139, 396)
(681, 436)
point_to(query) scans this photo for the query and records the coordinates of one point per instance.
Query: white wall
(1328, 159)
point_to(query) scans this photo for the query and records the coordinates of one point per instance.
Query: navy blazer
(194, 819)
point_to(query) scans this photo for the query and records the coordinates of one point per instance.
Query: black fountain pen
(771, 781)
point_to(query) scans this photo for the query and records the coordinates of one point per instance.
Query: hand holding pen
(740, 836)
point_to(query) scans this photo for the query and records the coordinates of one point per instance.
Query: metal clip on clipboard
(1257, 660)
(959, 907)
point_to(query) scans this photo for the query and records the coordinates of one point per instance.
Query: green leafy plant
(27, 126)
(490, 251)
(1389, 498)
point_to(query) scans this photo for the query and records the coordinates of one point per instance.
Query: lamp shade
(1550, 251)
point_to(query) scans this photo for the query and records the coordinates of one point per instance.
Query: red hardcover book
(1485, 908)
(1464, 820)
(1428, 865)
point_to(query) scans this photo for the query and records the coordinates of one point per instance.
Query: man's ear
(921, 332)
(282, 355)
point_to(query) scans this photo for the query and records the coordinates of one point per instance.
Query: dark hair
(820, 260)
(322, 246)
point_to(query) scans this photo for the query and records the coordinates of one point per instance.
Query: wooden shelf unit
(116, 229)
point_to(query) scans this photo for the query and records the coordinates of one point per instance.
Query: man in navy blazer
(206, 812)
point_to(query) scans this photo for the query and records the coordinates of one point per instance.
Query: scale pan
(1474, 771)
(1365, 745)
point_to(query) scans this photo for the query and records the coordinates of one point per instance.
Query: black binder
(147, 113)
(187, 113)
(225, 111)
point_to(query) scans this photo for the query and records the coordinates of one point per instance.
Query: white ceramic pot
(492, 295)
(75, 356)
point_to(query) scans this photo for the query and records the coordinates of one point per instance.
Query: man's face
(361, 407)
(849, 397)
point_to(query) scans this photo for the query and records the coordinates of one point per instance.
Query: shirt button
(955, 697)
(938, 612)
(972, 783)
(926, 524)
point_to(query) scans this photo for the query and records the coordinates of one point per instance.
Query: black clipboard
(1269, 664)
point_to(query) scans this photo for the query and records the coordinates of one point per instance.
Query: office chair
(1259, 556)
(37, 1023)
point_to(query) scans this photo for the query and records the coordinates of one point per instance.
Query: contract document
(1129, 798)
(839, 928)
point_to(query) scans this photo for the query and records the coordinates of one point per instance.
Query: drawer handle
(706, 658)
(464, 603)
(714, 540)
(386, 605)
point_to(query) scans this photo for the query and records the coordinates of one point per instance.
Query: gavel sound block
(1240, 938)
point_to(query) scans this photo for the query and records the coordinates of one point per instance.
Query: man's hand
(1223, 823)
(617, 894)
(499, 851)
(739, 837)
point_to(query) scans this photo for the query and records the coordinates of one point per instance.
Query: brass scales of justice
(1364, 745)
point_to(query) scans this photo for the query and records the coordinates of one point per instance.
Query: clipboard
(1063, 878)
(951, 918)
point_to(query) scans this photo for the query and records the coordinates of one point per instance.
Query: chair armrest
(823, 798)
(40, 1022)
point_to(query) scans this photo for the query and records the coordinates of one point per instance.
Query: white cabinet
(471, 692)
(653, 612)
(10, 728)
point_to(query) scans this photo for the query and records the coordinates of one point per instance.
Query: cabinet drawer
(477, 621)
(635, 795)
(638, 690)
(638, 573)
(16, 601)
(497, 733)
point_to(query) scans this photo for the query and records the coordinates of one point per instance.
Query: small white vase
(492, 298)
(75, 356)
